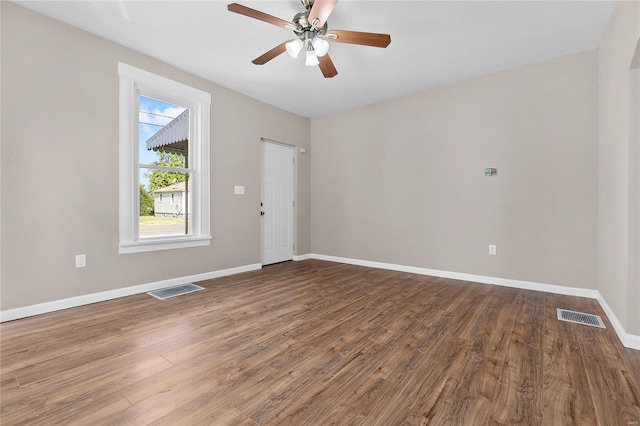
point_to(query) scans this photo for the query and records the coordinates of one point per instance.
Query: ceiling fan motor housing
(301, 20)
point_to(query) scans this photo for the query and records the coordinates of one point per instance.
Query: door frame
(294, 181)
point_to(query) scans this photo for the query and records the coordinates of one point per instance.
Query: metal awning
(174, 137)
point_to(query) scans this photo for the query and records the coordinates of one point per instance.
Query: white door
(277, 203)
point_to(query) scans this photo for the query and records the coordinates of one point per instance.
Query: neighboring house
(169, 201)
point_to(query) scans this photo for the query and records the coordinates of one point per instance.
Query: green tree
(146, 202)
(159, 178)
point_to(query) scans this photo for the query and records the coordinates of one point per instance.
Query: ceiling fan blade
(321, 9)
(356, 37)
(263, 59)
(261, 16)
(327, 67)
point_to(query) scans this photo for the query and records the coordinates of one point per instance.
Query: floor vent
(179, 290)
(580, 318)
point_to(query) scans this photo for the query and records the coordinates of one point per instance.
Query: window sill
(163, 244)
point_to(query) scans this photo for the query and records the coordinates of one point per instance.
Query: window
(164, 150)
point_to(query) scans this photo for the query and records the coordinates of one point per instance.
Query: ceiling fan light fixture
(312, 58)
(320, 45)
(294, 47)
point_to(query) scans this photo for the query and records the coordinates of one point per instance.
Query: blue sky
(156, 114)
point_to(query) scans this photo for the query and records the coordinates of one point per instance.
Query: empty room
(320, 212)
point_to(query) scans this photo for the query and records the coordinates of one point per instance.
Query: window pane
(163, 130)
(165, 203)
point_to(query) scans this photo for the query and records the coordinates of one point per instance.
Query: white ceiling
(432, 43)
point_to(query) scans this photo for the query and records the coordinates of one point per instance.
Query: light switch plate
(81, 260)
(238, 190)
(492, 250)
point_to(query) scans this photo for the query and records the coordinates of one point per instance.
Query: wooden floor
(320, 343)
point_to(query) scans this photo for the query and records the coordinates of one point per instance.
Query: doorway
(277, 202)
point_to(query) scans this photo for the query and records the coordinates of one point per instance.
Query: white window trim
(134, 82)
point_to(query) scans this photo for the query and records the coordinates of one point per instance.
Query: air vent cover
(178, 290)
(580, 318)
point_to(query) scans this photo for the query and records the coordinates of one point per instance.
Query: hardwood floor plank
(409, 347)
(563, 378)
(94, 377)
(314, 404)
(95, 351)
(180, 393)
(493, 334)
(262, 407)
(608, 384)
(471, 399)
(226, 363)
(206, 408)
(470, 313)
(367, 402)
(425, 393)
(517, 399)
(90, 408)
(318, 342)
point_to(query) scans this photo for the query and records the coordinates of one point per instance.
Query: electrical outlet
(492, 249)
(238, 190)
(81, 260)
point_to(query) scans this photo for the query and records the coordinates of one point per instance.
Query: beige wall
(402, 181)
(60, 167)
(615, 202)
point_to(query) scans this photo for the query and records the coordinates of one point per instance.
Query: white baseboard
(632, 341)
(525, 285)
(302, 257)
(56, 305)
(613, 319)
(628, 340)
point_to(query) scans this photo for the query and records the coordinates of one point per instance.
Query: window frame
(135, 82)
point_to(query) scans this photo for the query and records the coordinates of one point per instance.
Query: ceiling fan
(312, 34)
